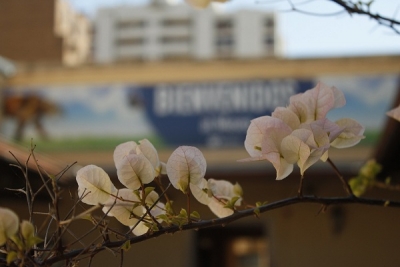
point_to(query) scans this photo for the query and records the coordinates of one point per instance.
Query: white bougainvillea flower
(144, 148)
(315, 103)
(140, 229)
(162, 168)
(263, 142)
(255, 135)
(94, 185)
(305, 147)
(351, 135)
(301, 133)
(200, 192)
(221, 193)
(149, 151)
(287, 116)
(9, 224)
(394, 113)
(123, 150)
(186, 165)
(332, 129)
(134, 171)
(158, 209)
(272, 150)
(126, 208)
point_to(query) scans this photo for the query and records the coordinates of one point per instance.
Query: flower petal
(140, 229)
(149, 151)
(135, 170)
(94, 185)
(255, 135)
(394, 113)
(351, 135)
(199, 191)
(294, 149)
(223, 189)
(287, 116)
(186, 165)
(124, 207)
(218, 208)
(123, 150)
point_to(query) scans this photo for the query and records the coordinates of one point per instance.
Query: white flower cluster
(301, 133)
(137, 165)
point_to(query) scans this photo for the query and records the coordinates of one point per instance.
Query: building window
(176, 22)
(129, 41)
(174, 39)
(247, 251)
(269, 22)
(124, 24)
(224, 24)
(224, 39)
(233, 247)
(269, 41)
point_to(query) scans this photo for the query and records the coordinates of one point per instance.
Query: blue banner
(213, 114)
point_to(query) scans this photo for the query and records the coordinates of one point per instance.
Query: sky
(328, 32)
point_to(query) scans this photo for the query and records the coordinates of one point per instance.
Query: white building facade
(76, 31)
(160, 31)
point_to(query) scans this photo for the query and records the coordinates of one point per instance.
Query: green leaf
(259, 203)
(137, 193)
(195, 214)
(163, 217)
(11, 256)
(34, 240)
(181, 218)
(126, 246)
(148, 190)
(231, 203)
(358, 186)
(168, 208)
(257, 212)
(154, 227)
(183, 213)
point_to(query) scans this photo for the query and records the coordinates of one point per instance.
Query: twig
(340, 176)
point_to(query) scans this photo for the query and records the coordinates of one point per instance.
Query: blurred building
(43, 31)
(160, 31)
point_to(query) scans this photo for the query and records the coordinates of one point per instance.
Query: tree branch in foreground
(224, 221)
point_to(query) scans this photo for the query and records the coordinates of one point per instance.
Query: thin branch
(353, 8)
(234, 217)
(300, 190)
(346, 186)
(349, 7)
